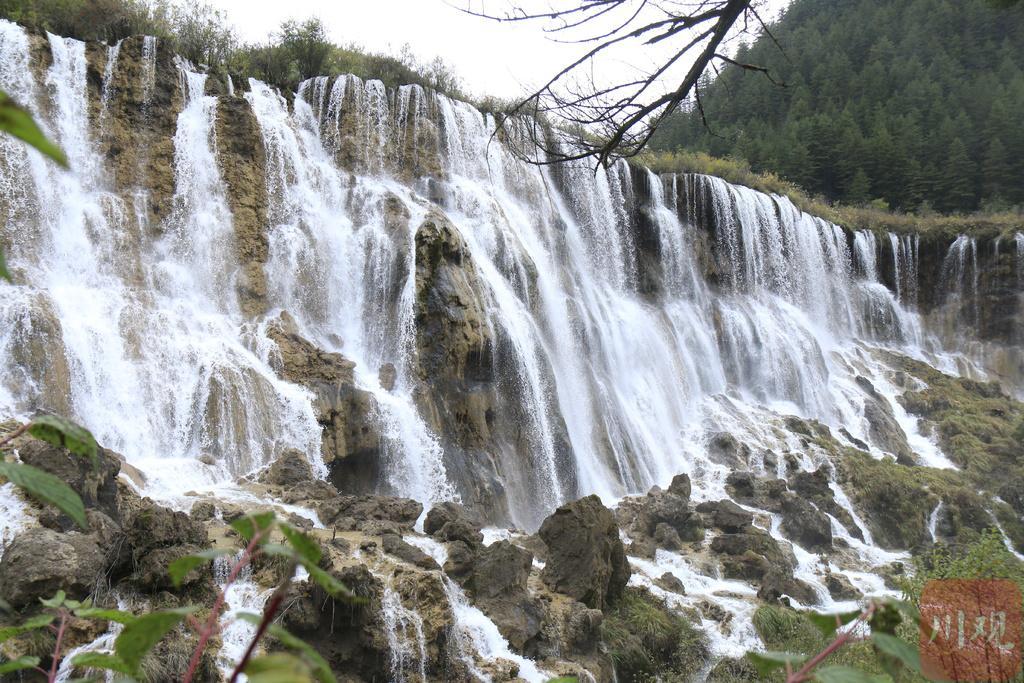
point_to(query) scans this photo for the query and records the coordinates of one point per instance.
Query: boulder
(289, 469)
(393, 544)
(95, 483)
(806, 524)
(451, 522)
(840, 588)
(754, 556)
(748, 489)
(402, 513)
(670, 582)
(156, 537)
(726, 449)
(498, 586)
(725, 515)
(586, 559)
(39, 562)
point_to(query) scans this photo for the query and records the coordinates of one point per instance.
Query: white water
(406, 645)
(617, 359)
(476, 638)
(243, 596)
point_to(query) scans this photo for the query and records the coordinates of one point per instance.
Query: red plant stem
(56, 649)
(268, 616)
(804, 674)
(15, 434)
(211, 621)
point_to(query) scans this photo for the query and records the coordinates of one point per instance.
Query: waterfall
(630, 314)
(406, 645)
(904, 251)
(475, 637)
(1018, 239)
(960, 277)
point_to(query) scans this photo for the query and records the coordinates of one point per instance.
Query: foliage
(917, 97)
(873, 215)
(263, 533)
(852, 647)
(647, 640)
(986, 558)
(41, 485)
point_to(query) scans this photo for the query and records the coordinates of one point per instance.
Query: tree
(958, 179)
(307, 43)
(618, 119)
(997, 175)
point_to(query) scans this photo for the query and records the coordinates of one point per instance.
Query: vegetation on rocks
(648, 641)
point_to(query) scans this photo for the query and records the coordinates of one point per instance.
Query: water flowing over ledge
(509, 336)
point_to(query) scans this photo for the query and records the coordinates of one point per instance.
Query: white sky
(491, 58)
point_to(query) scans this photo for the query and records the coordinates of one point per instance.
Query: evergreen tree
(921, 96)
(958, 180)
(997, 178)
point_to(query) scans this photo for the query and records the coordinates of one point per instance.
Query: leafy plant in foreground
(264, 535)
(876, 623)
(41, 485)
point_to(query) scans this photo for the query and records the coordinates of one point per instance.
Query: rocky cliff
(521, 408)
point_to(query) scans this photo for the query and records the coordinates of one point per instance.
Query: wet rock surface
(586, 558)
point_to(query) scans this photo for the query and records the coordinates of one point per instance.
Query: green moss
(647, 641)
(986, 558)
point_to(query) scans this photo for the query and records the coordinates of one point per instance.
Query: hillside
(915, 103)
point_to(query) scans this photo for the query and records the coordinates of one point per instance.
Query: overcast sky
(491, 58)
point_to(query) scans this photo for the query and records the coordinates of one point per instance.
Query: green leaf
(248, 525)
(56, 601)
(897, 649)
(767, 662)
(4, 273)
(64, 433)
(38, 621)
(139, 637)
(844, 674)
(307, 548)
(321, 669)
(180, 568)
(101, 660)
(46, 488)
(335, 588)
(105, 614)
(279, 667)
(828, 623)
(19, 123)
(18, 664)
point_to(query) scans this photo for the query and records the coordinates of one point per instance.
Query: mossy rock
(646, 640)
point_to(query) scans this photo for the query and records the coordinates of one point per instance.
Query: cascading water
(633, 316)
(159, 369)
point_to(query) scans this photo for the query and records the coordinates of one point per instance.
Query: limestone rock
(350, 443)
(39, 562)
(243, 167)
(290, 468)
(586, 559)
(499, 588)
(725, 515)
(805, 524)
(402, 512)
(451, 522)
(393, 544)
(97, 486)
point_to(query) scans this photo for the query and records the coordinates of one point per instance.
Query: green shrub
(647, 641)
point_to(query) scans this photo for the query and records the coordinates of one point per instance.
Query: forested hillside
(917, 103)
